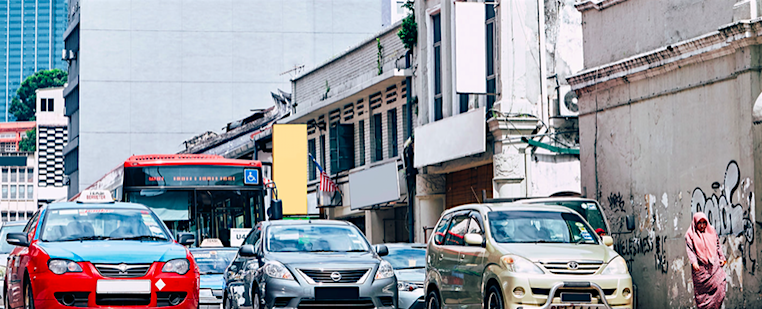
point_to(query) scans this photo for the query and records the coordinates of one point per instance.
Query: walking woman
(705, 255)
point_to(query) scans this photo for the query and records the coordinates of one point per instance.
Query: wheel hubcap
(493, 303)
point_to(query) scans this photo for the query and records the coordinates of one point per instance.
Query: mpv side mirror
(247, 251)
(382, 250)
(186, 239)
(474, 239)
(608, 241)
(17, 239)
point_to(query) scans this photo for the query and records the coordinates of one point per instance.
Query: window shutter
(342, 137)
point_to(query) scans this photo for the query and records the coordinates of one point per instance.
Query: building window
(30, 175)
(342, 147)
(8, 147)
(30, 192)
(312, 149)
(491, 55)
(322, 152)
(13, 192)
(377, 139)
(50, 105)
(13, 175)
(43, 105)
(436, 24)
(5, 175)
(404, 123)
(22, 192)
(463, 103)
(361, 141)
(5, 192)
(391, 121)
(7, 135)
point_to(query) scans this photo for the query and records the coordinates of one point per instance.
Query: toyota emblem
(573, 265)
(335, 276)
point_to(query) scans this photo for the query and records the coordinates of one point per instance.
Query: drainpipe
(409, 168)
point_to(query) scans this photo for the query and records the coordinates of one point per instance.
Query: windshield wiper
(141, 237)
(414, 267)
(355, 250)
(322, 251)
(83, 238)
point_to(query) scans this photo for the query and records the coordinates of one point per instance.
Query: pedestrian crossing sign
(250, 177)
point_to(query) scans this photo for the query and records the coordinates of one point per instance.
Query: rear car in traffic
(212, 263)
(100, 254)
(409, 263)
(310, 264)
(6, 248)
(522, 256)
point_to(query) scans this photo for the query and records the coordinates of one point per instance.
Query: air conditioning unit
(566, 102)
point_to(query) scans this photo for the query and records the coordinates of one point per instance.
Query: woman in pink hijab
(705, 255)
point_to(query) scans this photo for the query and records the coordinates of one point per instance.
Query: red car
(99, 255)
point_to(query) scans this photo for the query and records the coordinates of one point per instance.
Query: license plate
(576, 297)
(332, 293)
(123, 287)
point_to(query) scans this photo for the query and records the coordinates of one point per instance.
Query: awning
(564, 150)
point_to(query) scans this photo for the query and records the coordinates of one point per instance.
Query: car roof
(116, 205)
(556, 199)
(305, 222)
(214, 249)
(512, 206)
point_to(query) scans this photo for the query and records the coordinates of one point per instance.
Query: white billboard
(470, 48)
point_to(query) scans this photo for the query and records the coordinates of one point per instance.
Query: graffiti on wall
(616, 203)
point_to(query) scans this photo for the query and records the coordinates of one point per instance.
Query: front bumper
(279, 293)
(412, 299)
(51, 289)
(210, 298)
(616, 290)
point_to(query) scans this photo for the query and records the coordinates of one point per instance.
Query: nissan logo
(573, 265)
(335, 276)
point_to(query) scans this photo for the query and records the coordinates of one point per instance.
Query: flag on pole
(326, 184)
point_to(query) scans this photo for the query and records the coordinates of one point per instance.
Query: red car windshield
(102, 224)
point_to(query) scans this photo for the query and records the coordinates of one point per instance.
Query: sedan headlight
(60, 267)
(517, 264)
(385, 270)
(406, 286)
(616, 266)
(178, 266)
(276, 270)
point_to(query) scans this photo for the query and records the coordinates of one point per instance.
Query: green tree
(29, 142)
(24, 104)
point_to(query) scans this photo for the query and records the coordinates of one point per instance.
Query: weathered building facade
(668, 128)
(516, 138)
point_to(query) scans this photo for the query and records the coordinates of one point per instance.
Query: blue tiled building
(32, 39)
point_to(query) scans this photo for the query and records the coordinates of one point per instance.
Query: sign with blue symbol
(250, 177)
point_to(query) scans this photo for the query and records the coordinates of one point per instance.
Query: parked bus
(208, 195)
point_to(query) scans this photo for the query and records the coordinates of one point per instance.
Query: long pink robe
(709, 282)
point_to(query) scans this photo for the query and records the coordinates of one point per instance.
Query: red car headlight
(60, 267)
(178, 266)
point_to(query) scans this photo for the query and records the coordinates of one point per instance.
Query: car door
(240, 273)
(453, 283)
(434, 251)
(471, 264)
(17, 261)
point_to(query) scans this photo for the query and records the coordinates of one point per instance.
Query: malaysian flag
(326, 184)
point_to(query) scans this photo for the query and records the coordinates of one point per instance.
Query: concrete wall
(156, 73)
(663, 157)
(658, 23)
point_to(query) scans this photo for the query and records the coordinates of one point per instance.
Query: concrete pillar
(430, 202)
(510, 159)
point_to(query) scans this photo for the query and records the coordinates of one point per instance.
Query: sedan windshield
(102, 223)
(213, 261)
(315, 238)
(5, 247)
(539, 227)
(406, 257)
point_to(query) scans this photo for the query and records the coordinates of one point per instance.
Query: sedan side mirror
(382, 250)
(17, 239)
(474, 239)
(186, 239)
(608, 241)
(247, 251)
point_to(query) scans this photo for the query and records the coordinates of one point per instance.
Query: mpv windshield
(102, 223)
(588, 210)
(539, 227)
(315, 238)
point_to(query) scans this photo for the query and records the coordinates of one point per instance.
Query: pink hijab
(705, 244)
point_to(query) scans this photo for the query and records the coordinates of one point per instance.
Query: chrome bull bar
(578, 286)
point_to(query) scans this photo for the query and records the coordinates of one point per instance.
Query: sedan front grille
(572, 267)
(123, 270)
(330, 276)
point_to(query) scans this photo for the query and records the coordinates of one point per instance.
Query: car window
(315, 238)
(588, 210)
(253, 236)
(474, 227)
(102, 223)
(406, 257)
(439, 232)
(31, 222)
(539, 226)
(212, 261)
(457, 231)
(5, 247)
